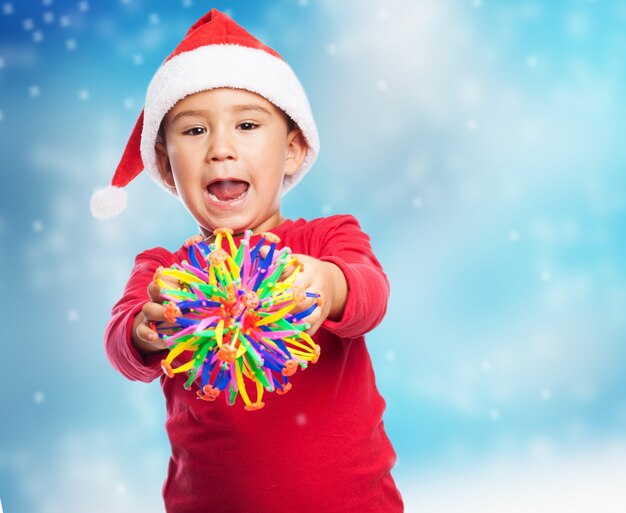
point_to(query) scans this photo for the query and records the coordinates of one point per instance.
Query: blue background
(479, 143)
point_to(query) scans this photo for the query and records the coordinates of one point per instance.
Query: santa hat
(216, 52)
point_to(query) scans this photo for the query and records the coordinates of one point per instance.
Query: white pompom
(108, 202)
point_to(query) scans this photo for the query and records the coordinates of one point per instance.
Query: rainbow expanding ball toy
(232, 311)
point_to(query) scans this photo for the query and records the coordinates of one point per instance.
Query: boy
(227, 128)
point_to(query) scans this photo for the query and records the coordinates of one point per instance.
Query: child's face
(226, 152)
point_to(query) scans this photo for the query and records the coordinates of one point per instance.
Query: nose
(222, 146)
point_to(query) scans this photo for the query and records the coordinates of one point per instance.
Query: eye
(246, 125)
(196, 130)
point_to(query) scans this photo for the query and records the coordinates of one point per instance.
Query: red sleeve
(117, 338)
(345, 245)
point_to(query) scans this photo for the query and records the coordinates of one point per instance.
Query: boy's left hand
(325, 279)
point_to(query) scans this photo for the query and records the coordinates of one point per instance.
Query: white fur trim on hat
(226, 65)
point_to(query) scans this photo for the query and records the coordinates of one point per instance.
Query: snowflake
(64, 21)
(83, 6)
(417, 202)
(38, 36)
(7, 9)
(48, 17)
(471, 125)
(28, 24)
(513, 235)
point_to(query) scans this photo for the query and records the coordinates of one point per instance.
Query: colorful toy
(233, 311)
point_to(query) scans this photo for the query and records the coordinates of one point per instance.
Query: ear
(296, 151)
(163, 163)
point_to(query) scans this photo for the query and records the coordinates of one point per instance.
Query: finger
(153, 312)
(144, 333)
(315, 321)
(154, 292)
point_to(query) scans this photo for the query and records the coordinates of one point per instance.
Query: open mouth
(227, 191)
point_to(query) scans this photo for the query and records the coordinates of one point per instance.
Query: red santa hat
(216, 52)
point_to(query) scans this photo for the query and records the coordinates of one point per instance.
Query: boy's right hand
(143, 337)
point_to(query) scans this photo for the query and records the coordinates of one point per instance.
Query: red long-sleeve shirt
(320, 448)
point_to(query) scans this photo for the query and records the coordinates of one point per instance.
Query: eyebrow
(234, 109)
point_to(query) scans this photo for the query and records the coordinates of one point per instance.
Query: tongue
(227, 190)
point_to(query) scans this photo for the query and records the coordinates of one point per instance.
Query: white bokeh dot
(153, 18)
(37, 226)
(72, 315)
(471, 125)
(494, 414)
(331, 49)
(65, 21)
(129, 103)
(38, 36)
(513, 235)
(532, 61)
(28, 24)
(390, 356)
(417, 202)
(2, 63)
(1, 115)
(381, 85)
(301, 419)
(48, 17)
(545, 394)
(70, 44)
(83, 95)
(34, 91)
(137, 59)
(39, 397)
(83, 6)
(486, 365)
(7, 8)
(546, 275)
(187, 3)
